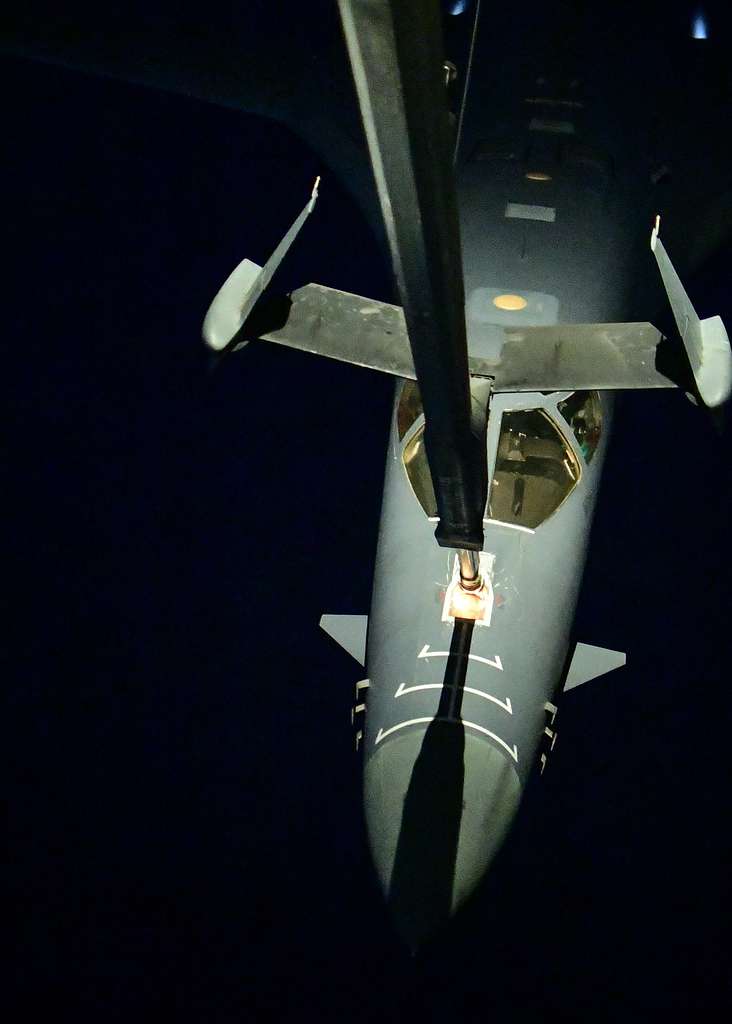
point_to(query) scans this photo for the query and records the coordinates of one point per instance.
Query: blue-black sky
(185, 819)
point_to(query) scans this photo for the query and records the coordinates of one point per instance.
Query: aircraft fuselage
(479, 737)
(450, 741)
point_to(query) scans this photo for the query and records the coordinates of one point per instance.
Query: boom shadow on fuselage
(433, 805)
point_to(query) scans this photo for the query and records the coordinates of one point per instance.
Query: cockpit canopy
(536, 467)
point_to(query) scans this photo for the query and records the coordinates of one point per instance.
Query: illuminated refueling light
(468, 604)
(699, 27)
(537, 176)
(462, 603)
(512, 303)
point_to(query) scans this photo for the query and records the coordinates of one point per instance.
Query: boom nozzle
(469, 570)
(470, 592)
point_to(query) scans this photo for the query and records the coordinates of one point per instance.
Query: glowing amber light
(510, 302)
(538, 176)
(468, 604)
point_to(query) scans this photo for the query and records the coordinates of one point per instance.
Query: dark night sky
(185, 831)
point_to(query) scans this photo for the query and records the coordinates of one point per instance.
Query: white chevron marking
(383, 733)
(427, 653)
(505, 704)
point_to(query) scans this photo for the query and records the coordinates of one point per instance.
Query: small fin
(349, 631)
(589, 662)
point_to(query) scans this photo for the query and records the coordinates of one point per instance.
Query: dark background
(185, 828)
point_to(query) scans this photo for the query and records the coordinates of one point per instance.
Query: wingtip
(654, 233)
(313, 195)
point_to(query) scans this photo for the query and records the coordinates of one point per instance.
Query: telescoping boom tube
(397, 61)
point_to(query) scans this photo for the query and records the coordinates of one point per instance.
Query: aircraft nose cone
(439, 801)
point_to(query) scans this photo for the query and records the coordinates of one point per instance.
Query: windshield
(418, 471)
(535, 469)
(583, 412)
(410, 407)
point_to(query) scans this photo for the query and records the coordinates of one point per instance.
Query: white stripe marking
(545, 124)
(526, 211)
(383, 733)
(474, 657)
(506, 705)
(509, 526)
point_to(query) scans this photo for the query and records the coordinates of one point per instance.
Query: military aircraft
(469, 641)
(505, 412)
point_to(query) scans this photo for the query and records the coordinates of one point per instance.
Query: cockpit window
(410, 407)
(583, 412)
(535, 469)
(414, 455)
(418, 471)
(535, 466)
